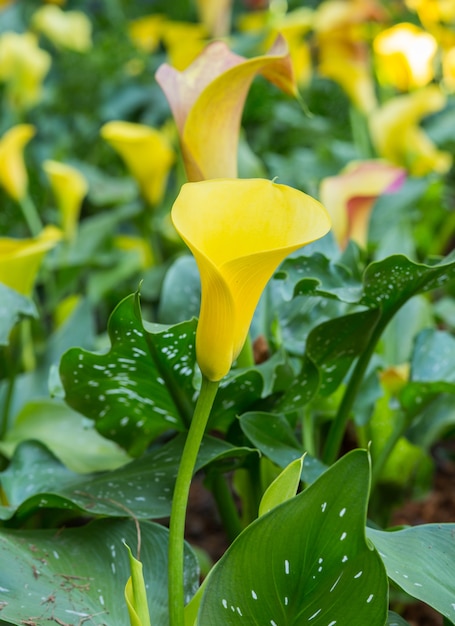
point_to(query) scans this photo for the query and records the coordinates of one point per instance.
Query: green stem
(246, 357)
(309, 441)
(378, 465)
(11, 369)
(31, 215)
(180, 500)
(225, 504)
(338, 427)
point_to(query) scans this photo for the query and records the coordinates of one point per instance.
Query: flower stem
(180, 500)
(31, 215)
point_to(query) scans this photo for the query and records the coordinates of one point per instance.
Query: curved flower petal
(20, 259)
(69, 187)
(207, 103)
(146, 152)
(239, 231)
(13, 175)
(350, 196)
(398, 137)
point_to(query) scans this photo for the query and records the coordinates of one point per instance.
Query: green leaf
(142, 387)
(389, 283)
(273, 436)
(396, 620)
(180, 296)
(79, 573)
(67, 434)
(283, 488)
(35, 479)
(135, 594)
(307, 560)
(420, 561)
(13, 307)
(317, 275)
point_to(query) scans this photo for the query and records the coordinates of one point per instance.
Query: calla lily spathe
(20, 259)
(239, 231)
(350, 196)
(405, 56)
(13, 174)
(398, 138)
(23, 67)
(66, 29)
(146, 152)
(207, 103)
(69, 187)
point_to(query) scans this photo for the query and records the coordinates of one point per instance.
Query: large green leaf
(273, 436)
(69, 435)
(78, 575)
(306, 561)
(421, 561)
(13, 307)
(35, 479)
(142, 387)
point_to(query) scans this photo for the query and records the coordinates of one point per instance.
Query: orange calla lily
(207, 102)
(350, 196)
(147, 154)
(69, 187)
(239, 231)
(405, 55)
(20, 259)
(397, 136)
(13, 174)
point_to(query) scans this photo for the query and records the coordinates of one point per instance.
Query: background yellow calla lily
(69, 187)
(20, 259)
(13, 174)
(146, 152)
(207, 103)
(239, 231)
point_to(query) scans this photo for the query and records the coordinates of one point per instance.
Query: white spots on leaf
(323, 506)
(224, 603)
(342, 512)
(332, 623)
(314, 615)
(336, 582)
(56, 554)
(101, 599)
(286, 566)
(370, 597)
(273, 623)
(286, 600)
(343, 536)
(254, 594)
(344, 559)
(359, 574)
(417, 585)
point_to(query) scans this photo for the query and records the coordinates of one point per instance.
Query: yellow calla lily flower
(239, 232)
(13, 174)
(183, 41)
(215, 15)
(23, 67)
(147, 154)
(69, 187)
(20, 259)
(399, 139)
(145, 32)
(350, 196)
(405, 56)
(207, 102)
(66, 29)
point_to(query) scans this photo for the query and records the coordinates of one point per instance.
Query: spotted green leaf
(420, 561)
(142, 387)
(36, 480)
(306, 561)
(78, 575)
